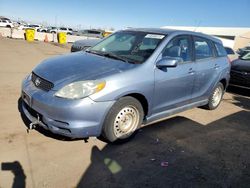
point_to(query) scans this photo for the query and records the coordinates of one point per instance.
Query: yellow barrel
(30, 35)
(106, 33)
(62, 38)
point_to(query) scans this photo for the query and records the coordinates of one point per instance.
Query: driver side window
(179, 47)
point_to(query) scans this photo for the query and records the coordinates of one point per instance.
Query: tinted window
(246, 57)
(229, 51)
(93, 32)
(179, 47)
(203, 49)
(221, 50)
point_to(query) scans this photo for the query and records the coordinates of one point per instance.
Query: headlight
(81, 89)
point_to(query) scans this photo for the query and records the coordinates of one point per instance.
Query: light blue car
(132, 78)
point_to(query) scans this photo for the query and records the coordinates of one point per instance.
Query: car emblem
(37, 81)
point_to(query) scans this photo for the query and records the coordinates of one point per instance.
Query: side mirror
(168, 62)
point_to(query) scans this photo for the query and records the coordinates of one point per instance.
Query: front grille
(41, 83)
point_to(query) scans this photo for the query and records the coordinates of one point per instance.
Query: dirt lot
(202, 148)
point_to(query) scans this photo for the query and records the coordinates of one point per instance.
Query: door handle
(216, 66)
(191, 71)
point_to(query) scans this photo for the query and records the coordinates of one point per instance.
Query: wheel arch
(142, 99)
(224, 83)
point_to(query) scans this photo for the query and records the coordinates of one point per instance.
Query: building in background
(233, 37)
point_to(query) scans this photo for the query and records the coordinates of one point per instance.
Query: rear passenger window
(203, 49)
(179, 47)
(220, 50)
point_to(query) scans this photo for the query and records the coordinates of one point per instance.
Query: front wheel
(216, 97)
(123, 119)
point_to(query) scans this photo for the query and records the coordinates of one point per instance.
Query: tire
(216, 97)
(123, 119)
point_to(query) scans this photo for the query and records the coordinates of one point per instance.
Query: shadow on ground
(240, 97)
(215, 155)
(239, 91)
(17, 170)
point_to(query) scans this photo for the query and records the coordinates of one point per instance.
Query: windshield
(133, 46)
(246, 57)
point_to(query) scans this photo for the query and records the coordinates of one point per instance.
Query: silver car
(130, 79)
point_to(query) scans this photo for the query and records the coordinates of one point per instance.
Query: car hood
(241, 65)
(65, 69)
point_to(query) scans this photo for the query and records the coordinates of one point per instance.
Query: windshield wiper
(108, 54)
(94, 52)
(114, 56)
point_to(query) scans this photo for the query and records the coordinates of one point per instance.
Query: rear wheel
(123, 119)
(216, 97)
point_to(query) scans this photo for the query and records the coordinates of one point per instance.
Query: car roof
(170, 31)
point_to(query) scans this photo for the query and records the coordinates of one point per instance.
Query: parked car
(6, 23)
(31, 26)
(243, 51)
(43, 29)
(52, 29)
(23, 27)
(90, 33)
(83, 44)
(240, 71)
(68, 31)
(93, 33)
(130, 78)
(35, 26)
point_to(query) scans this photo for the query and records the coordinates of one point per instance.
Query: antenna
(198, 25)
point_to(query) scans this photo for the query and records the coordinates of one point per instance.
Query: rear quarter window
(221, 52)
(229, 51)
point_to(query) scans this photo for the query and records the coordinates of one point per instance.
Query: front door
(173, 85)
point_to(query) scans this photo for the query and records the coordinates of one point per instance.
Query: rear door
(173, 85)
(206, 68)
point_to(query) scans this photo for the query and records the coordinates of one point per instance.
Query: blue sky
(130, 13)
